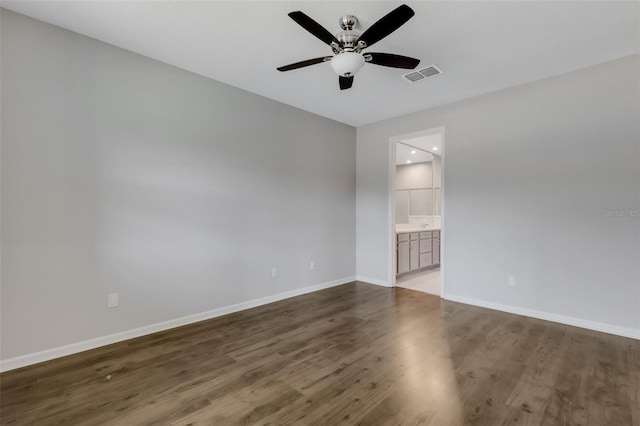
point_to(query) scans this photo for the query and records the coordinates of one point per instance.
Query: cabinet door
(425, 260)
(403, 257)
(425, 245)
(436, 251)
(414, 253)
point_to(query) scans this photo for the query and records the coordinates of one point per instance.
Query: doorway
(416, 202)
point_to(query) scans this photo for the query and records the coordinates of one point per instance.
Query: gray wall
(123, 174)
(529, 173)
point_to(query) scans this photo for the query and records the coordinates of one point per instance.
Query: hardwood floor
(355, 354)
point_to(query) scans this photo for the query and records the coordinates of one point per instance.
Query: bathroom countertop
(406, 228)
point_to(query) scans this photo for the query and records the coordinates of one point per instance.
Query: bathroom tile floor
(426, 281)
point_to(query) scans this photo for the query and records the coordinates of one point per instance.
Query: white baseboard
(547, 316)
(49, 354)
(373, 281)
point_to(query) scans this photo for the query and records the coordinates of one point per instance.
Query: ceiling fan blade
(391, 60)
(345, 82)
(313, 27)
(387, 24)
(306, 63)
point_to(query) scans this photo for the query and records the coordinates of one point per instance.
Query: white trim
(49, 354)
(374, 281)
(443, 209)
(548, 316)
(391, 211)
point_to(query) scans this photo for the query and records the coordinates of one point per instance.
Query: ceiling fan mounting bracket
(348, 22)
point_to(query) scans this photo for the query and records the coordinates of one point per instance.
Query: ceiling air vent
(427, 72)
(413, 77)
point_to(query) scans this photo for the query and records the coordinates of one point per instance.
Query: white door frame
(391, 202)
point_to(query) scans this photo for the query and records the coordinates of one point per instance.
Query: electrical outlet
(112, 300)
(274, 272)
(312, 265)
(512, 280)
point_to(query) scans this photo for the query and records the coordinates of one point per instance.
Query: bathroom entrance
(418, 195)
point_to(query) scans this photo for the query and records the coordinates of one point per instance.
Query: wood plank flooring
(356, 354)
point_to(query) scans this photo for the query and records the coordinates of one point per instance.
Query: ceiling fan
(348, 45)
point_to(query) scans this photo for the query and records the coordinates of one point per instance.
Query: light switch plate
(112, 300)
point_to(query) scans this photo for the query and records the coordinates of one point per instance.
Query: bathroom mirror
(418, 183)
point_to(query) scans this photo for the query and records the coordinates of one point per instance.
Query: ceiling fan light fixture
(347, 46)
(347, 64)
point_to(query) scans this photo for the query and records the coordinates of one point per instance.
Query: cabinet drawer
(435, 234)
(403, 237)
(426, 260)
(425, 235)
(425, 245)
(414, 236)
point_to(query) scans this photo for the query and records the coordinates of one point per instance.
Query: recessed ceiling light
(408, 161)
(413, 152)
(435, 148)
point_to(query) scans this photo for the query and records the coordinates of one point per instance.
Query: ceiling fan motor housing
(348, 39)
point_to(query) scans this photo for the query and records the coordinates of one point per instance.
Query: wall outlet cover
(112, 300)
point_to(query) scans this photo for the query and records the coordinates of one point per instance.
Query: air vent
(414, 76)
(427, 72)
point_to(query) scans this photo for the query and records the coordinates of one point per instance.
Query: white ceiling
(406, 154)
(431, 142)
(480, 46)
(418, 149)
